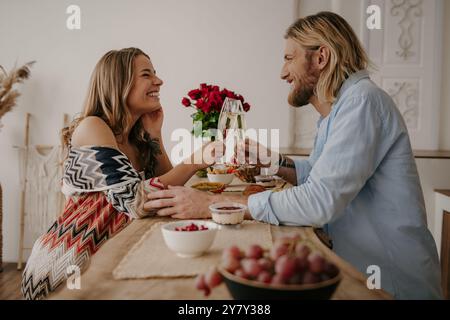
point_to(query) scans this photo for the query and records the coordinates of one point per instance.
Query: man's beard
(303, 88)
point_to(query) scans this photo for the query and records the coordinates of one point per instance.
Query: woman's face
(144, 94)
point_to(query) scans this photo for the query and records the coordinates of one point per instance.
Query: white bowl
(225, 178)
(189, 244)
(227, 216)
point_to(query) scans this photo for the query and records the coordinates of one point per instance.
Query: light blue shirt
(361, 182)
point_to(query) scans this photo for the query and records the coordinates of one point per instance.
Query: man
(360, 182)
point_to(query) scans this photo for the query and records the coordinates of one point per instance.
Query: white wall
(233, 43)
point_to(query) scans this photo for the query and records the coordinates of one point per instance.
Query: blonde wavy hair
(347, 55)
(110, 84)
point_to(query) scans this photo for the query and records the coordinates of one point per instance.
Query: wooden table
(97, 281)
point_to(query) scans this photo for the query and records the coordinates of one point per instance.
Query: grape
(265, 277)
(241, 274)
(233, 251)
(201, 285)
(295, 279)
(301, 264)
(285, 266)
(251, 267)
(316, 263)
(230, 263)
(279, 250)
(278, 279)
(254, 252)
(310, 278)
(213, 278)
(302, 250)
(330, 270)
(266, 264)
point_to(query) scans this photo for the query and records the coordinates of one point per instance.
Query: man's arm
(349, 158)
(286, 170)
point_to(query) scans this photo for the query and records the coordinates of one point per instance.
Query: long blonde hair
(347, 55)
(110, 84)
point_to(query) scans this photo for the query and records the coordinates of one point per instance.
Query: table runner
(151, 258)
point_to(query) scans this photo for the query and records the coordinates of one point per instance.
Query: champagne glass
(232, 125)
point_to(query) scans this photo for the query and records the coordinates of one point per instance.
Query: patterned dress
(104, 192)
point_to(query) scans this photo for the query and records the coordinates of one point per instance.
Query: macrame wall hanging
(41, 202)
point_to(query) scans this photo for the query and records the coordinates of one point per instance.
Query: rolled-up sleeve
(349, 158)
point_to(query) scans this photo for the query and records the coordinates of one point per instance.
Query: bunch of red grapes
(289, 262)
(191, 227)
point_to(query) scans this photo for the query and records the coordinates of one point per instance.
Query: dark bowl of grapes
(290, 270)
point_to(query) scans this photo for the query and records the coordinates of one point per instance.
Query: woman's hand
(180, 203)
(207, 155)
(152, 122)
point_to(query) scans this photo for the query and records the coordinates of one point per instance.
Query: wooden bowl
(243, 289)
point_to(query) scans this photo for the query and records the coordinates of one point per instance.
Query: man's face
(300, 71)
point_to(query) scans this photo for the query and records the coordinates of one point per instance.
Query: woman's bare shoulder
(93, 131)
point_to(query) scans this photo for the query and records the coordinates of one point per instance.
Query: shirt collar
(351, 80)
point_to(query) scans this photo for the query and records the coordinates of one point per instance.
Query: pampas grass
(9, 95)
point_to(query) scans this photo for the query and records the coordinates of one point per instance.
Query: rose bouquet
(207, 100)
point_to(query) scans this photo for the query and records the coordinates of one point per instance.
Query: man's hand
(180, 203)
(255, 153)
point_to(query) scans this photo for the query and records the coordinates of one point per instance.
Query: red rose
(230, 94)
(206, 107)
(215, 100)
(203, 105)
(195, 94)
(239, 97)
(209, 98)
(186, 102)
(200, 104)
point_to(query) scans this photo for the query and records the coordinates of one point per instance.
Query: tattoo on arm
(287, 163)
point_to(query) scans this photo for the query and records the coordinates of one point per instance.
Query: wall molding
(407, 10)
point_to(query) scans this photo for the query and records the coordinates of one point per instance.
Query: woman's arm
(163, 164)
(178, 175)
(152, 123)
(110, 171)
(200, 159)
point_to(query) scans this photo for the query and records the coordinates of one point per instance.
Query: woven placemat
(151, 258)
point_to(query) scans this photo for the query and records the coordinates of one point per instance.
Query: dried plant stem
(8, 96)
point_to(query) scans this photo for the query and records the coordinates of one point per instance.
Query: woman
(115, 156)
